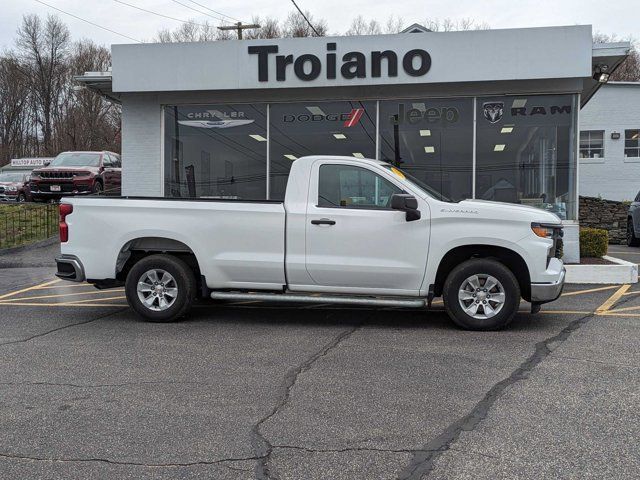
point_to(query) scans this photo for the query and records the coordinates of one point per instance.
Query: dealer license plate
(55, 188)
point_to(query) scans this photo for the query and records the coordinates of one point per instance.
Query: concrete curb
(620, 273)
(42, 243)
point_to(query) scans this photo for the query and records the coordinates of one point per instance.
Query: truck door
(354, 241)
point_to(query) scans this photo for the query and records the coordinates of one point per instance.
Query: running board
(333, 299)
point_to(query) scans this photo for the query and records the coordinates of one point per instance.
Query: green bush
(593, 242)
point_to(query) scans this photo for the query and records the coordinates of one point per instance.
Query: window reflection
(432, 139)
(217, 151)
(318, 128)
(525, 147)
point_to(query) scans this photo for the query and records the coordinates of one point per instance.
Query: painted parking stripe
(609, 302)
(590, 290)
(62, 295)
(28, 289)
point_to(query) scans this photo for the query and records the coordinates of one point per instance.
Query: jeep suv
(77, 173)
(14, 185)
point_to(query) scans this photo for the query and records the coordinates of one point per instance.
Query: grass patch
(25, 223)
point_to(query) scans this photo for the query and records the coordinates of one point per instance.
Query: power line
(215, 11)
(305, 17)
(89, 22)
(160, 14)
(200, 12)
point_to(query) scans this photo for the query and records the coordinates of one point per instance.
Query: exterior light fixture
(615, 135)
(259, 138)
(601, 73)
(358, 155)
(425, 133)
(506, 130)
(290, 157)
(429, 149)
(499, 147)
(340, 136)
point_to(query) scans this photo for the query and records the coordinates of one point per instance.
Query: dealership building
(490, 114)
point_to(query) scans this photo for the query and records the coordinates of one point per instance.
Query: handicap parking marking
(611, 301)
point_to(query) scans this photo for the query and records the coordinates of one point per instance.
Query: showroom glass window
(432, 139)
(216, 151)
(318, 128)
(525, 148)
(632, 143)
(592, 144)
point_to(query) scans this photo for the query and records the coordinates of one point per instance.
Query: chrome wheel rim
(157, 289)
(481, 296)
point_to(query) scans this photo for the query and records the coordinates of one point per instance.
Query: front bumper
(548, 292)
(70, 268)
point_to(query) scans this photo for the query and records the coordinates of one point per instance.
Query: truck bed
(232, 239)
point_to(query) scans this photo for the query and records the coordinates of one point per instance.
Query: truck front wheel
(481, 294)
(160, 288)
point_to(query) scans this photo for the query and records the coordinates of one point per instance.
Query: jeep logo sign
(307, 67)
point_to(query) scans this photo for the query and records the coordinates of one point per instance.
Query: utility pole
(239, 27)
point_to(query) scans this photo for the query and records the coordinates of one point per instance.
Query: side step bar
(333, 299)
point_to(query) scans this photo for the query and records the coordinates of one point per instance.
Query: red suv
(14, 185)
(77, 173)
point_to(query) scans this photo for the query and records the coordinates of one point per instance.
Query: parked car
(349, 231)
(14, 186)
(77, 173)
(633, 223)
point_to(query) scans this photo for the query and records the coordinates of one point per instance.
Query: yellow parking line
(635, 292)
(28, 289)
(609, 302)
(591, 290)
(77, 304)
(75, 285)
(566, 312)
(89, 300)
(59, 295)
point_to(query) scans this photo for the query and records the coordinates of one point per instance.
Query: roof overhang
(100, 82)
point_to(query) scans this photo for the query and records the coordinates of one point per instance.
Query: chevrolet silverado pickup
(349, 231)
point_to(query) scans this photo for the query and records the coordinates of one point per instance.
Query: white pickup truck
(350, 231)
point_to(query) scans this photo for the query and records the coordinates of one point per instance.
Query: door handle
(323, 221)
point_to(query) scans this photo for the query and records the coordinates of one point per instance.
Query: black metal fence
(24, 223)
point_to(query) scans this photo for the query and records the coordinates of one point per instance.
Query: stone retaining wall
(609, 215)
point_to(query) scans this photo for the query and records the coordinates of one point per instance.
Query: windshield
(419, 184)
(76, 160)
(12, 177)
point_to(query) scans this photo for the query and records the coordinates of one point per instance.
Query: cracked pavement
(241, 392)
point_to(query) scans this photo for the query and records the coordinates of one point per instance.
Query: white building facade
(609, 152)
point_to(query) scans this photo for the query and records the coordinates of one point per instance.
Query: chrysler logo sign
(307, 67)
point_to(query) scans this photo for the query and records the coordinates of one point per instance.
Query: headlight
(11, 188)
(542, 230)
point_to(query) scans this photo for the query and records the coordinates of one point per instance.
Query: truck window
(353, 187)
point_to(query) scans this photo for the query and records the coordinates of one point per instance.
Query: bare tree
(14, 103)
(269, 28)
(451, 25)
(42, 51)
(295, 25)
(192, 32)
(359, 26)
(629, 70)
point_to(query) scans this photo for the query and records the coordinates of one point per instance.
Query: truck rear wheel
(481, 294)
(160, 288)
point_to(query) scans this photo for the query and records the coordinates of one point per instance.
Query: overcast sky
(613, 16)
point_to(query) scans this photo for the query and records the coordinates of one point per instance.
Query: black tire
(481, 266)
(632, 240)
(185, 282)
(97, 188)
(21, 198)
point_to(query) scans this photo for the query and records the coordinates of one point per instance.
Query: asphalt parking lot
(239, 391)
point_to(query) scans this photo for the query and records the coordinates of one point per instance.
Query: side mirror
(406, 203)
(46, 163)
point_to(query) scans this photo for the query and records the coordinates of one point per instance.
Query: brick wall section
(141, 156)
(607, 214)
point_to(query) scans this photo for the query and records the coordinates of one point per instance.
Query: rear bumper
(548, 292)
(70, 268)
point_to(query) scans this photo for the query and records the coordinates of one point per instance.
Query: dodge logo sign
(493, 111)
